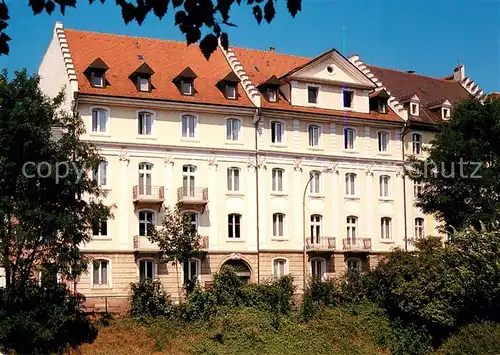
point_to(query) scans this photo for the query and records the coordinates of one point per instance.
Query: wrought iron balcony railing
(192, 194)
(320, 244)
(148, 193)
(357, 244)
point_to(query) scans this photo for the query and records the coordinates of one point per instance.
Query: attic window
(348, 96)
(96, 73)
(312, 94)
(141, 77)
(272, 94)
(143, 83)
(187, 87)
(228, 86)
(97, 79)
(446, 113)
(413, 109)
(382, 106)
(231, 91)
(185, 82)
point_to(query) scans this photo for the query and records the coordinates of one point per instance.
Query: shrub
(273, 295)
(476, 338)
(42, 320)
(149, 299)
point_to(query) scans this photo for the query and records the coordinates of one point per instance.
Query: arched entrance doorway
(240, 267)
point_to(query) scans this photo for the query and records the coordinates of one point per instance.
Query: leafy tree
(192, 17)
(177, 239)
(460, 175)
(44, 218)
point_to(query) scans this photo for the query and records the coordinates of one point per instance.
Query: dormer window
(446, 113)
(95, 72)
(378, 101)
(382, 106)
(142, 78)
(272, 94)
(348, 98)
(413, 108)
(231, 91)
(312, 94)
(187, 87)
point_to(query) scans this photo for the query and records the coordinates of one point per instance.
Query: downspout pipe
(406, 129)
(256, 121)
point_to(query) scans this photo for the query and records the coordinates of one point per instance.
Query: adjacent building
(286, 165)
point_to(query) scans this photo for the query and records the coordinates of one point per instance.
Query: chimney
(459, 73)
(272, 49)
(410, 71)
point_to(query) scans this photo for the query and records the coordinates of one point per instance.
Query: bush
(274, 295)
(149, 299)
(42, 320)
(476, 338)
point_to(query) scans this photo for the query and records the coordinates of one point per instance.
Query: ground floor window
(147, 270)
(100, 274)
(318, 268)
(279, 267)
(354, 265)
(191, 270)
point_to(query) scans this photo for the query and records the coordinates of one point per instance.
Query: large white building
(287, 164)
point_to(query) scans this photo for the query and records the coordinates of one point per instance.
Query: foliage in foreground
(40, 320)
(476, 338)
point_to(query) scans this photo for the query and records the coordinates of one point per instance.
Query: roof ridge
(416, 74)
(266, 51)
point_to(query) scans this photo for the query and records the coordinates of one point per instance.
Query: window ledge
(194, 140)
(348, 109)
(101, 238)
(235, 240)
(101, 287)
(146, 137)
(384, 153)
(316, 196)
(279, 239)
(384, 241)
(234, 142)
(386, 199)
(279, 194)
(278, 145)
(352, 198)
(350, 151)
(235, 194)
(317, 148)
(100, 134)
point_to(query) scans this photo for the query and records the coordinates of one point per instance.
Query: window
(191, 270)
(146, 219)
(187, 88)
(100, 272)
(349, 138)
(99, 120)
(233, 129)
(419, 228)
(350, 184)
(145, 179)
(277, 175)
(416, 139)
(382, 106)
(318, 267)
(277, 132)
(414, 109)
(417, 189)
(384, 185)
(272, 94)
(145, 122)
(353, 265)
(233, 179)
(279, 267)
(347, 96)
(49, 277)
(314, 135)
(234, 226)
(189, 126)
(100, 175)
(446, 113)
(97, 80)
(143, 83)
(278, 225)
(314, 185)
(385, 228)
(315, 229)
(100, 229)
(147, 270)
(352, 228)
(189, 180)
(383, 142)
(194, 218)
(231, 91)
(312, 94)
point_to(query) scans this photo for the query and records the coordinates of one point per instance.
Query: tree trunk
(177, 277)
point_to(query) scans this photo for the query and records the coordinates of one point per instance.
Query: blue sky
(430, 37)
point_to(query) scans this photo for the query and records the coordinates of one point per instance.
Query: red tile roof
(429, 90)
(166, 58)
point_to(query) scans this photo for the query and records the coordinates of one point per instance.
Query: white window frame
(98, 176)
(153, 122)
(3, 278)
(231, 178)
(315, 187)
(344, 90)
(139, 221)
(352, 229)
(322, 262)
(274, 180)
(95, 75)
(414, 109)
(419, 230)
(358, 262)
(318, 88)
(311, 137)
(198, 269)
(233, 226)
(109, 284)
(275, 226)
(283, 128)
(101, 236)
(379, 145)
(196, 127)
(351, 185)
(386, 229)
(143, 80)
(417, 188)
(286, 269)
(415, 144)
(384, 184)
(346, 144)
(187, 84)
(273, 98)
(196, 221)
(315, 223)
(227, 91)
(230, 135)
(446, 113)
(154, 268)
(108, 118)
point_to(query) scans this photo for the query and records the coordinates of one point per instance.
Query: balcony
(142, 243)
(148, 196)
(323, 244)
(357, 244)
(193, 197)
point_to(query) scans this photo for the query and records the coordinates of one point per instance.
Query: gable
(332, 68)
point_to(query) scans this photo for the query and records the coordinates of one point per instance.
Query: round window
(330, 69)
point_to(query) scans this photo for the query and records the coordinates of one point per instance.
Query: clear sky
(430, 37)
